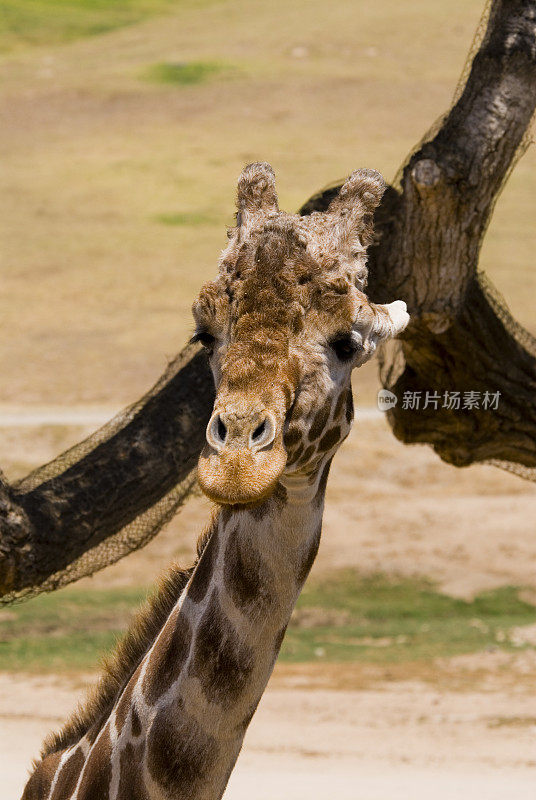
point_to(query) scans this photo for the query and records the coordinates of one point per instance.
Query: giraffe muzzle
(243, 458)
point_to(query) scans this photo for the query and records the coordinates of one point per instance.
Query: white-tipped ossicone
(391, 319)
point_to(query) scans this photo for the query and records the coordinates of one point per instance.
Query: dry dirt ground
(404, 739)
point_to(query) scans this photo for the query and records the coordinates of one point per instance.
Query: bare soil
(404, 739)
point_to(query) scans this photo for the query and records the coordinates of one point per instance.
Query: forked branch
(430, 230)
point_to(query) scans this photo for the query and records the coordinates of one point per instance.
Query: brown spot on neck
(168, 657)
(330, 439)
(322, 483)
(304, 458)
(293, 436)
(295, 455)
(179, 753)
(221, 662)
(131, 781)
(319, 422)
(204, 569)
(40, 781)
(349, 406)
(136, 722)
(68, 776)
(124, 705)
(95, 783)
(247, 578)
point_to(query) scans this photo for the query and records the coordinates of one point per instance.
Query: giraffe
(284, 324)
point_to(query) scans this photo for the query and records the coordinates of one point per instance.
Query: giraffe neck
(178, 726)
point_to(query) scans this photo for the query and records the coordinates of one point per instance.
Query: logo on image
(386, 399)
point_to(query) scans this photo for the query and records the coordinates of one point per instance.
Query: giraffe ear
(256, 190)
(389, 320)
(359, 196)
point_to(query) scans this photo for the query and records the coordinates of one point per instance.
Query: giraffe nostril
(264, 433)
(230, 431)
(217, 432)
(259, 431)
(222, 430)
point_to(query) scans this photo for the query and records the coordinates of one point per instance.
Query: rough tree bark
(430, 230)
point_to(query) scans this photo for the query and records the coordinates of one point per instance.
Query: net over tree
(111, 494)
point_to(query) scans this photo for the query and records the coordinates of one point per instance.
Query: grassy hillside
(125, 127)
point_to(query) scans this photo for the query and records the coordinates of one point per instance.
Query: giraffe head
(284, 325)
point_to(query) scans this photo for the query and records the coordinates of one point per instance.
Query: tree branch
(430, 232)
(46, 528)
(461, 336)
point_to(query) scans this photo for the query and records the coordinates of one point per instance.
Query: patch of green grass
(185, 218)
(67, 629)
(188, 73)
(383, 621)
(49, 22)
(342, 619)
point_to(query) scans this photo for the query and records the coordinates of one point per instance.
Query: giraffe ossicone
(284, 324)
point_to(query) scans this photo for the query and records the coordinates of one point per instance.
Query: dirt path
(405, 740)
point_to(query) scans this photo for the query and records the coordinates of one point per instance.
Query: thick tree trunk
(461, 338)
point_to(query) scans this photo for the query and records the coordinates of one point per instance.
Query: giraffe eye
(344, 347)
(206, 339)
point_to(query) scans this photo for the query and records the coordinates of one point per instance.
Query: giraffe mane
(119, 667)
